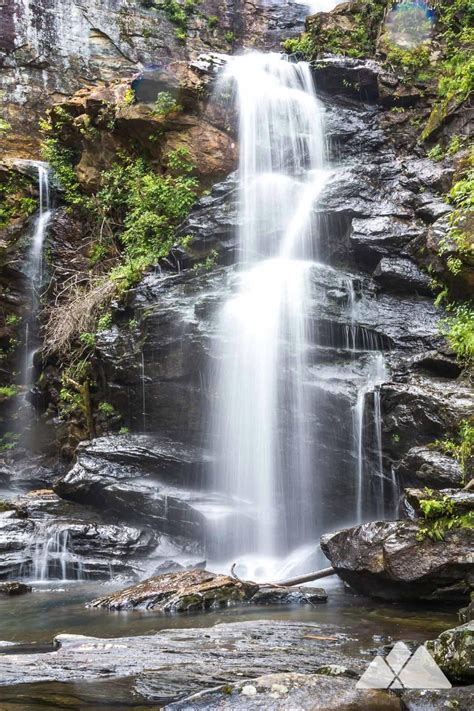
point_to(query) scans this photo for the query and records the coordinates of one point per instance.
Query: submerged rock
(288, 596)
(180, 592)
(453, 651)
(387, 559)
(14, 588)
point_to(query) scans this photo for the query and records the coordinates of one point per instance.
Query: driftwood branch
(316, 575)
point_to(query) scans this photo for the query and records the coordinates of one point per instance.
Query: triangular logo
(403, 670)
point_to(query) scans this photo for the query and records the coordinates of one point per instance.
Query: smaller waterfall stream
(35, 269)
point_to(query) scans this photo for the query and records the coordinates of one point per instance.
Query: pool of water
(33, 620)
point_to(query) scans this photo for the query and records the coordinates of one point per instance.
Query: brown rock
(180, 592)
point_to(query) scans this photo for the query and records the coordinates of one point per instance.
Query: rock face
(387, 560)
(57, 47)
(453, 651)
(144, 480)
(180, 592)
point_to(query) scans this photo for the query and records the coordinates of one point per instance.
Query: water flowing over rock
(388, 560)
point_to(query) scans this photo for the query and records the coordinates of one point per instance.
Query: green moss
(459, 331)
(5, 127)
(455, 71)
(461, 446)
(8, 391)
(440, 517)
(16, 201)
(323, 37)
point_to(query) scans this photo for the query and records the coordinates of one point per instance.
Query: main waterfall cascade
(267, 461)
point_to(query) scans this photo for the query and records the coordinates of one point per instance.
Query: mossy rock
(453, 651)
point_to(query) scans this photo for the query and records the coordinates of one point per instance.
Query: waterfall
(35, 266)
(375, 375)
(264, 327)
(34, 272)
(274, 382)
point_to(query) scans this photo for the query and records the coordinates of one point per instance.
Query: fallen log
(309, 577)
(316, 575)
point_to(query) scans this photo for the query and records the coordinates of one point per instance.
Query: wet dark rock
(62, 540)
(142, 479)
(280, 692)
(430, 175)
(386, 559)
(402, 275)
(453, 651)
(443, 364)
(431, 208)
(14, 588)
(417, 410)
(288, 596)
(466, 614)
(428, 467)
(185, 661)
(347, 77)
(180, 592)
(375, 237)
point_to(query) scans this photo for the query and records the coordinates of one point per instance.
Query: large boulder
(453, 651)
(392, 561)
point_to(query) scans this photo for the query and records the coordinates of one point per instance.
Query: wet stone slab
(176, 663)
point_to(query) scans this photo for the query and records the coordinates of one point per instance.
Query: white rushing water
(265, 324)
(270, 392)
(35, 265)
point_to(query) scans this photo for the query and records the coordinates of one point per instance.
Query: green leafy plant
(459, 331)
(104, 322)
(212, 21)
(105, 408)
(165, 104)
(9, 441)
(8, 391)
(439, 516)
(436, 153)
(461, 447)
